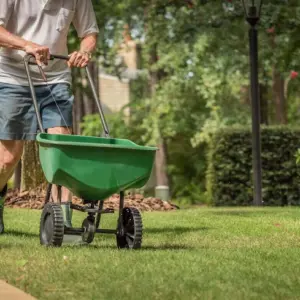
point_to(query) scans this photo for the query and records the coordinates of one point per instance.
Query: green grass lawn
(205, 253)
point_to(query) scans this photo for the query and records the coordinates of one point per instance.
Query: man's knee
(60, 130)
(10, 152)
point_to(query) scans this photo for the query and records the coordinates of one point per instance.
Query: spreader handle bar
(29, 58)
(33, 95)
(57, 56)
(27, 62)
(99, 106)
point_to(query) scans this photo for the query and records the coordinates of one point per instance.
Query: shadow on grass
(143, 248)
(22, 234)
(175, 230)
(242, 213)
(167, 247)
(8, 246)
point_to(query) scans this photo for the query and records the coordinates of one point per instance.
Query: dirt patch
(34, 199)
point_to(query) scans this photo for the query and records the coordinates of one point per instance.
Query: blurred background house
(114, 91)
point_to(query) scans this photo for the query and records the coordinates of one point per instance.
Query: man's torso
(43, 22)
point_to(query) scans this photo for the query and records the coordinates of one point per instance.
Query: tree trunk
(17, 176)
(264, 116)
(161, 157)
(264, 106)
(32, 174)
(153, 73)
(279, 98)
(94, 67)
(77, 110)
(161, 164)
(89, 103)
(278, 88)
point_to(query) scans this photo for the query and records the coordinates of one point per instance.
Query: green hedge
(229, 179)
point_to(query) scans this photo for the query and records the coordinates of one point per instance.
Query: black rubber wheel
(131, 237)
(52, 225)
(89, 231)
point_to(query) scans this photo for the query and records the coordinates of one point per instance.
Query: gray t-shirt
(45, 22)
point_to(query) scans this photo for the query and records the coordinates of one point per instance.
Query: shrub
(229, 178)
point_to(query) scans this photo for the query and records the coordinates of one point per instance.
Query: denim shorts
(18, 119)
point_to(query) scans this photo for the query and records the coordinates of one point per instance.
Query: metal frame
(91, 210)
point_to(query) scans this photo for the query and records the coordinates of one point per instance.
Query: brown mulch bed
(34, 199)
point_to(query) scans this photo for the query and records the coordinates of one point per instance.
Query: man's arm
(87, 29)
(82, 57)
(9, 40)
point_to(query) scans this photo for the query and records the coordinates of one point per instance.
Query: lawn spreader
(92, 168)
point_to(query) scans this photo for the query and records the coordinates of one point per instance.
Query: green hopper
(94, 168)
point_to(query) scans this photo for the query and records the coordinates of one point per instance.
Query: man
(40, 28)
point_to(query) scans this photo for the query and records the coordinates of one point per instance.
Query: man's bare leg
(66, 195)
(10, 154)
